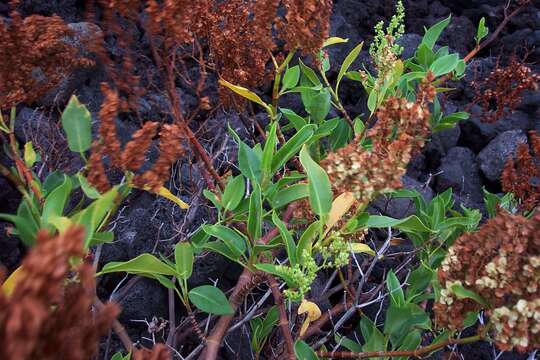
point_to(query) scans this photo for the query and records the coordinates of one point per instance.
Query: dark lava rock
(400, 208)
(59, 96)
(146, 299)
(459, 171)
(494, 156)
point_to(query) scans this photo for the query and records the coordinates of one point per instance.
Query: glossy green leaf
(93, 215)
(303, 351)
(444, 65)
(255, 213)
(144, 264)
(462, 293)
(249, 162)
(320, 105)
(291, 77)
(309, 74)
(280, 271)
(320, 191)
(90, 191)
(290, 245)
(222, 249)
(290, 194)
(230, 237)
(269, 150)
(184, 258)
(211, 300)
(433, 33)
(234, 193)
(55, 202)
(77, 124)
(296, 120)
(306, 240)
(482, 30)
(291, 147)
(349, 60)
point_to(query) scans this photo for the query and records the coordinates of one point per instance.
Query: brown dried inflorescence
(244, 34)
(49, 315)
(132, 157)
(501, 263)
(501, 92)
(521, 176)
(401, 130)
(34, 56)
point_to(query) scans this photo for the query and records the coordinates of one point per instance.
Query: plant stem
(246, 282)
(337, 101)
(283, 320)
(410, 353)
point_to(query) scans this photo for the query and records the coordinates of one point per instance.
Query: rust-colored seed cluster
(500, 93)
(501, 263)
(521, 176)
(133, 155)
(34, 57)
(49, 314)
(400, 131)
(244, 34)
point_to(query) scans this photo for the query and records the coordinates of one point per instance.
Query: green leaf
(54, 179)
(234, 193)
(375, 340)
(444, 65)
(287, 238)
(249, 162)
(309, 74)
(419, 280)
(55, 202)
(183, 257)
(400, 320)
(268, 152)
(411, 223)
(320, 105)
(306, 240)
(211, 300)
(372, 100)
(291, 77)
(320, 191)
(432, 35)
(359, 126)
(144, 264)
(280, 271)
(222, 249)
(296, 120)
(291, 147)
(255, 213)
(90, 191)
(30, 155)
(230, 237)
(303, 351)
(394, 289)
(482, 31)
(77, 124)
(351, 57)
(104, 237)
(341, 135)
(290, 194)
(462, 293)
(93, 215)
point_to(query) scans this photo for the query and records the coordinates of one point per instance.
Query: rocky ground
(466, 158)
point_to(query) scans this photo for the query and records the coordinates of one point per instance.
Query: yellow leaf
(61, 223)
(30, 156)
(242, 91)
(334, 40)
(361, 248)
(340, 206)
(313, 313)
(9, 285)
(163, 191)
